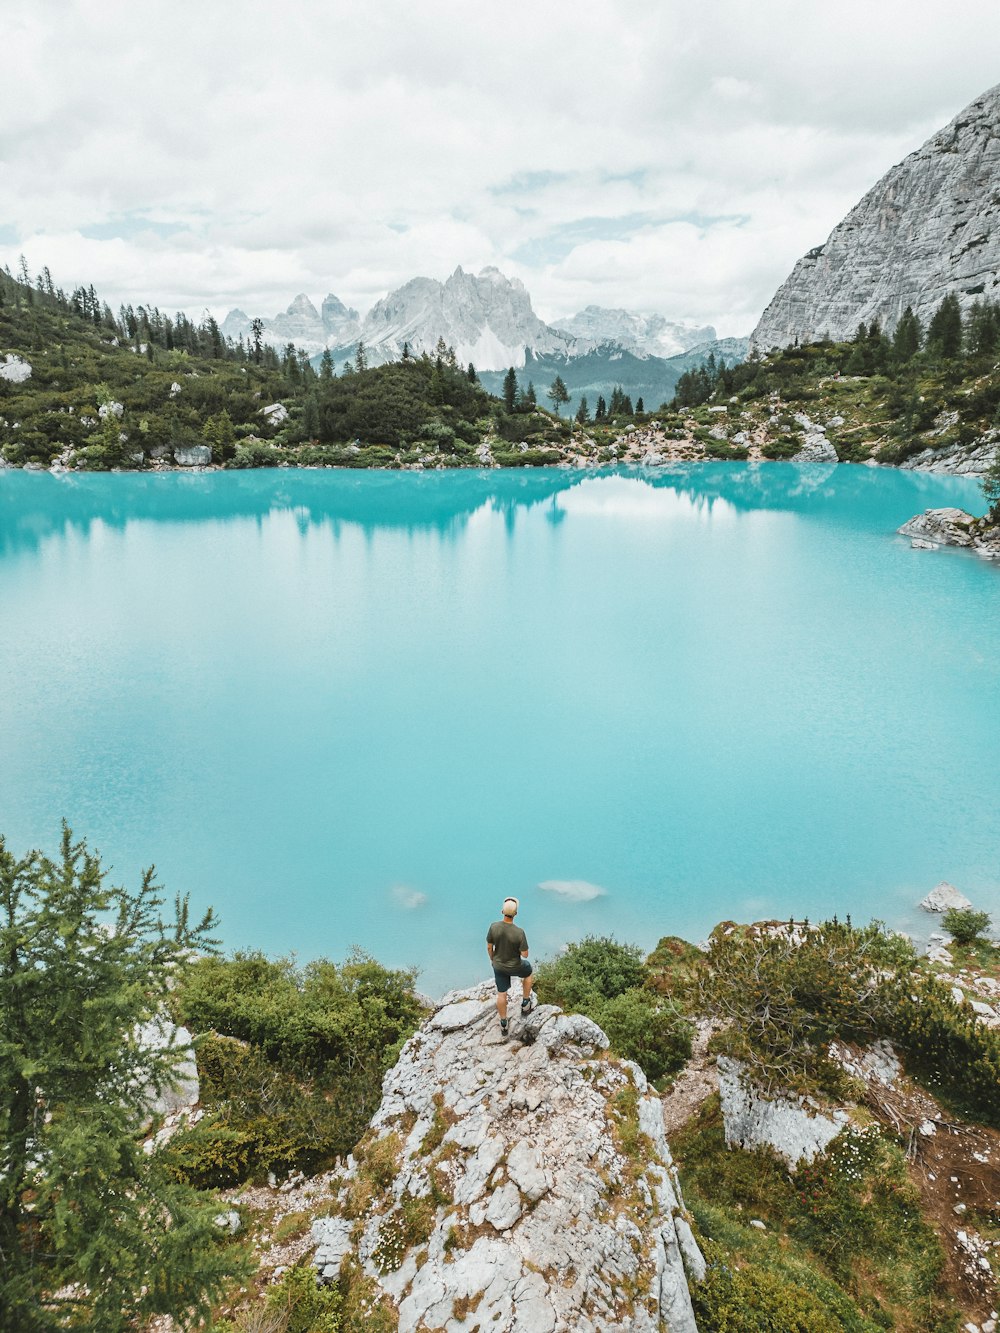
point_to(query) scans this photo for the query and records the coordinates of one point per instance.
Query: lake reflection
(360, 708)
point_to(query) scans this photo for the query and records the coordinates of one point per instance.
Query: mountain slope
(931, 226)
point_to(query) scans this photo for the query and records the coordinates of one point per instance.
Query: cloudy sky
(636, 153)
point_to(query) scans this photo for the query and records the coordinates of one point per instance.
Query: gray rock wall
(929, 227)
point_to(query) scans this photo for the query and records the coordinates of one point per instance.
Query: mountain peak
(928, 228)
(303, 306)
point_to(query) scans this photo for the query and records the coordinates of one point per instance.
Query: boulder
(943, 897)
(193, 455)
(14, 369)
(939, 527)
(539, 1168)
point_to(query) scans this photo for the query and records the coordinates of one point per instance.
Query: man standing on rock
(507, 946)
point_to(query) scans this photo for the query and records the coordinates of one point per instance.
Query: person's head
(509, 909)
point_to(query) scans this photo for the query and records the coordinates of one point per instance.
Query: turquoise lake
(360, 708)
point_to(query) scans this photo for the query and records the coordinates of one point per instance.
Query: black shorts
(503, 978)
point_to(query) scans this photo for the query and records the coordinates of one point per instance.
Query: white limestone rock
(816, 448)
(929, 227)
(275, 413)
(111, 409)
(184, 1090)
(939, 527)
(793, 1126)
(943, 897)
(14, 369)
(193, 455)
(542, 1221)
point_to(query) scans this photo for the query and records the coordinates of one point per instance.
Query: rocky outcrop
(793, 1126)
(931, 226)
(958, 459)
(514, 1185)
(935, 528)
(816, 448)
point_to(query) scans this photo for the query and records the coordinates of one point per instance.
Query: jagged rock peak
(302, 306)
(931, 226)
(523, 1185)
(487, 318)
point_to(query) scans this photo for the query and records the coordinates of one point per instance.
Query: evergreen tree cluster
(118, 390)
(950, 339)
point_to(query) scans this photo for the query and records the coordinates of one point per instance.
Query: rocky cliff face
(522, 1185)
(931, 226)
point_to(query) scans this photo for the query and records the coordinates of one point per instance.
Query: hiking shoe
(528, 1003)
(504, 1025)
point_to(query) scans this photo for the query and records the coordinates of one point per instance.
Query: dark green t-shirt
(508, 941)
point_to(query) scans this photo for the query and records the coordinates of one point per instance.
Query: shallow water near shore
(359, 708)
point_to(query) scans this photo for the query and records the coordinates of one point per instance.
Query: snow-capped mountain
(301, 324)
(487, 318)
(642, 334)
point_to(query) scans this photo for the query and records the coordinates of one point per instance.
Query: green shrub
(950, 1049)
(784, 447)
(255, 453)
(590, 971)
(965, 925)
(845, 1227)
(297, 1072)
(734, 453)
(643, 1027)
(527, 457)
(783, 994)
(743, 1299)
(296, 1304)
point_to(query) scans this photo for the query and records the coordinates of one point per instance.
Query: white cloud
(573, 890)
(405, 896)
(195, 156)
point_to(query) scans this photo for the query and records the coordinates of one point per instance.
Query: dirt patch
(694, 1084)
(956, 1167)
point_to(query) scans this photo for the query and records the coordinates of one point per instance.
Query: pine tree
(530, 397)
(640, 406)
(944, 333)
(583, 412)
(557, 393)
(907, 337)
(471, 375)
(326, 365)
(991, 488)
(94, 1233)
(361, 358)
(601, 410)
(510, 390)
